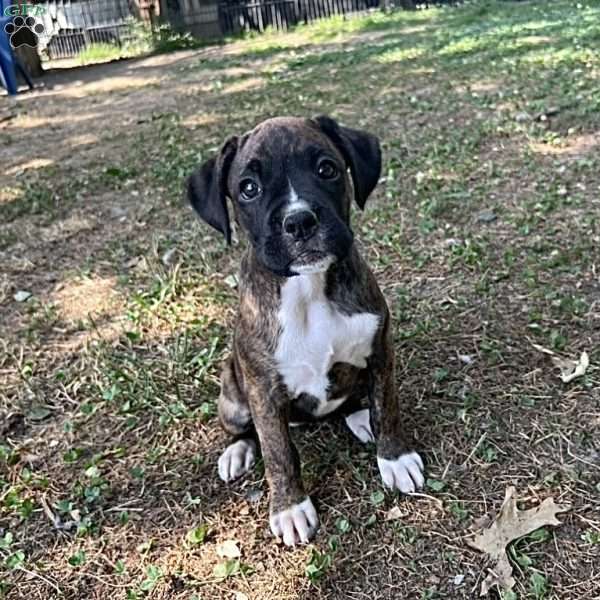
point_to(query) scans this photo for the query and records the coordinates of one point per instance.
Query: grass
(100, 52)
(483, 233)
(140, 42)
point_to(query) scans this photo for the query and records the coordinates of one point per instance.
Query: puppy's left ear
(361, 152)
(207, 189)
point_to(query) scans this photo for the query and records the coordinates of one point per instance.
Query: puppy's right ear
(207, 189)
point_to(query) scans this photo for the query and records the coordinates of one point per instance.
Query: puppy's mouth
(312, 261)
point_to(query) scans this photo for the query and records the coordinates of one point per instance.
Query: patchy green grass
(100, 52)
(484, 233)
(141, 41)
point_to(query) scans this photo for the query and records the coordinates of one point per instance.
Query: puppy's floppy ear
(361, 152)
(207, 189)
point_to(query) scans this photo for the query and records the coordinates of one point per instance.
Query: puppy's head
(290, 190)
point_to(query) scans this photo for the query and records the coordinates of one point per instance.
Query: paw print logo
(24, 32)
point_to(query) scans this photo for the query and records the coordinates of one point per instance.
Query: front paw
(237, 459)
(296, 524)
(404, 473)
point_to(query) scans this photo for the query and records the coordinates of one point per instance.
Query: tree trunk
(30, 59)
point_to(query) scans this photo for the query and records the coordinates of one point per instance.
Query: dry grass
(483, 232)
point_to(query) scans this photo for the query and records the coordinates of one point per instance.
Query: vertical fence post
(86, 35)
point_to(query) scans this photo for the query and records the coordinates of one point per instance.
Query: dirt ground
(116, 310)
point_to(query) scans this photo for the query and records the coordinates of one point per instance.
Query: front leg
(399, 465)
(292, 514)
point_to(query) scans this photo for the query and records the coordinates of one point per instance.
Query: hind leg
(234, 414)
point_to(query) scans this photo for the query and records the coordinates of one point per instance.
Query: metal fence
(282, 14)
(236, 16)
(73, 25)
(69, 43)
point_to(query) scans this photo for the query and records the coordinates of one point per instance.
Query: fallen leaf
(377, 497)
(226, 569)
(571, 369)
(228, 549)
(511, 524)
(231, 281)
(39, 413)
(487, 216)
(394, 513)
(197, 535)
(22, 295)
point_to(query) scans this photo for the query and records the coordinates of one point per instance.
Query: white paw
(237, 459)
(296, 524)
(405, 473)
(359, 423)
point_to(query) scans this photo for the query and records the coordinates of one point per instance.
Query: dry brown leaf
(394, 513)
(511, 524)
(571, 369)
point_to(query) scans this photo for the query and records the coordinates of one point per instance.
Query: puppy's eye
(327, 169)
(249, 189)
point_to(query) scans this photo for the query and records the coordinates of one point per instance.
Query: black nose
(300, 224)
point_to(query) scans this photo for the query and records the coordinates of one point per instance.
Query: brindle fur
(254, 401)
(254, 398)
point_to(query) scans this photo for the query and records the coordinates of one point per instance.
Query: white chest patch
(315, 335)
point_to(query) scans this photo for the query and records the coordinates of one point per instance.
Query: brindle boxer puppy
(313, 333)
